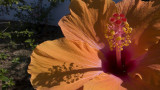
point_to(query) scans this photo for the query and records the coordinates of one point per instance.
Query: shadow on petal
(61, 74)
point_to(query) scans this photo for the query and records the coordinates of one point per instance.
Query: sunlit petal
(104, 82)
(63, 64)
(87, 21)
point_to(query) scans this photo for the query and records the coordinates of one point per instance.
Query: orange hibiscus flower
(107, 46)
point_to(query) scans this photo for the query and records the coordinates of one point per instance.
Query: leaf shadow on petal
(61, 74)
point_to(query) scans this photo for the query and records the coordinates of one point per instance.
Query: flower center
(118, 35)
(110, 64)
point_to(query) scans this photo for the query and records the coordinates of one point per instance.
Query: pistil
(118, 57)
(118, 35)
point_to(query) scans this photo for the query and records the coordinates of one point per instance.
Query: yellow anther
(112, 32)
(128, 36)
(129, 41)
(110, 43)
(124, 29)
(126, 44)
(106, 31)
(123, 38)
(110, 37)
(119, 38)
(130, 29)
(111, 46)
(107, 26)
(127, 28)
(122, 44)
(106, 36)
(126, 32)
(125, 22)
(126, 25)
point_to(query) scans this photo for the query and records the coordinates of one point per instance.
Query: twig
(3, 45)
(5, 30)
(4, 22)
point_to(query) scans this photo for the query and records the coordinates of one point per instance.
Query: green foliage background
(25, 33)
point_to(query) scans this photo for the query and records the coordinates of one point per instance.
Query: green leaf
(3, 70)
(16, 60)
(10, 82)
(4, 78)
(16, 2)
(28, 41)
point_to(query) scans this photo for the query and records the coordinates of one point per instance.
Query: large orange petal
(104, 82)
(148, 71)
(144, 18)
(144, 78)
(152, 56)
(87, 21)
(63, 65)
